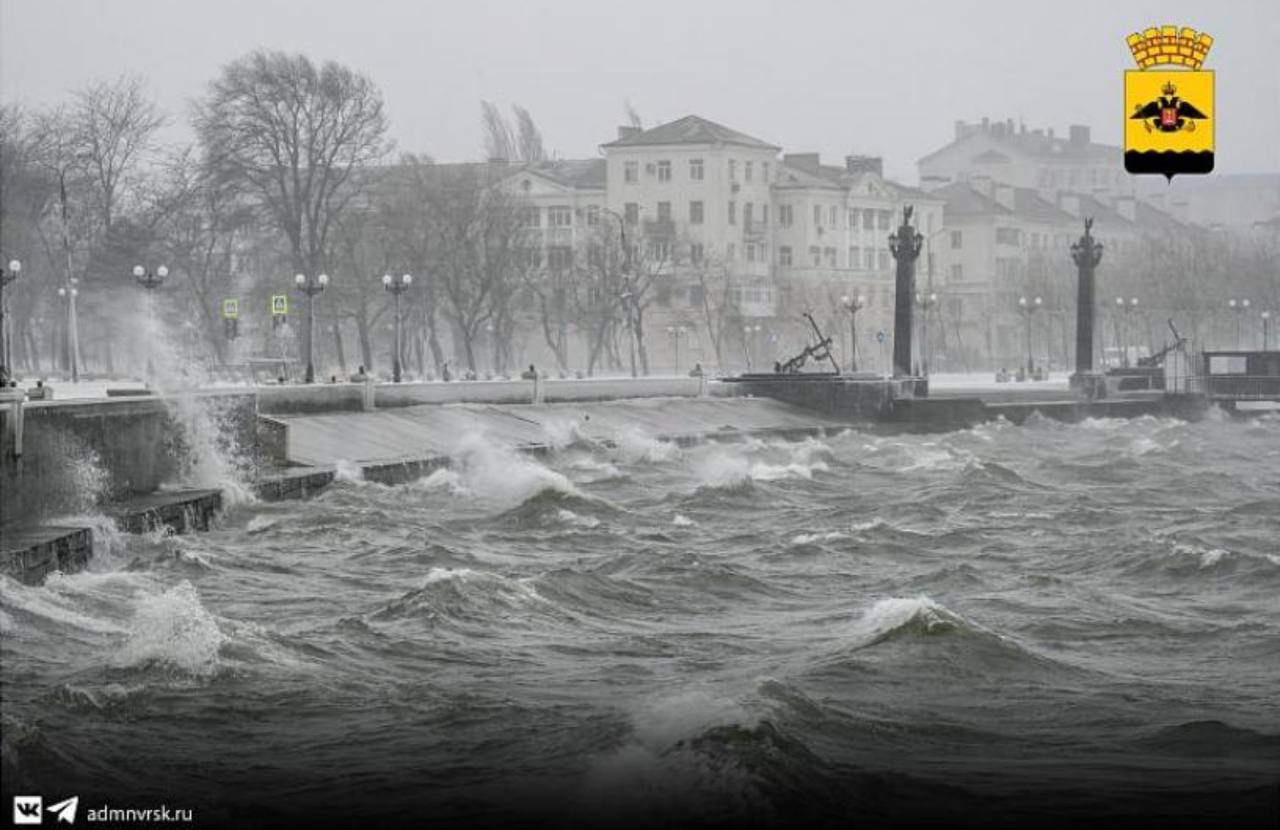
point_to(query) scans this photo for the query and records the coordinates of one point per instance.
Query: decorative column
(905, 244)
(1086, 253)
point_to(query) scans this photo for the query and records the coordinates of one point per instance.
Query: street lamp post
(676, 332)
(751, 339)
(150, 281)
(397, 287)
(1028, 307)
(926, 302)
(1239, 307)
(853, 305)
(310, 287)
(7, 275)
(1266, 324)
(70, 292)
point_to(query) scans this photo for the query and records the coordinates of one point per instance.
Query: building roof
(581, 174)
(963, 199)
(833, 177)
(1034, 143)
(692, 129)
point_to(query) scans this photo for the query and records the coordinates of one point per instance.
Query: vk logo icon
(27, 809)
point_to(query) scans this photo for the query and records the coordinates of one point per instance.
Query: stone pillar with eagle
(905, 243)
(1087, 253)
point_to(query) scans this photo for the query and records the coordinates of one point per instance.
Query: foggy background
(879, 78)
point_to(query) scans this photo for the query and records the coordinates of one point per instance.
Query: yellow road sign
(280, 304)
(230, 309)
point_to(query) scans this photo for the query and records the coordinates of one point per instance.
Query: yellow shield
(1169, 121)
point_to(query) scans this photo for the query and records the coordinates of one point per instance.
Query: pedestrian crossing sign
(280, 304)
(230, 309)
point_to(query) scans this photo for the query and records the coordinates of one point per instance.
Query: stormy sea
(1006, 626)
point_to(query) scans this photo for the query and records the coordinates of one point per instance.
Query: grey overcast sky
(887, 78)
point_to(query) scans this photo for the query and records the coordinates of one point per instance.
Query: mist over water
(998, 625)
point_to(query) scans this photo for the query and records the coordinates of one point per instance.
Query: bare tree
(295, 135)
(114, 123)
(529, 137)
(499, 142)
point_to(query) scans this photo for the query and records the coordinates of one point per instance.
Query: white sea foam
(634, 446)
(570, 518)
(891, 614)
(810, 538)
(497, 472)
(173, 629)
(681, 520)
(348, 471)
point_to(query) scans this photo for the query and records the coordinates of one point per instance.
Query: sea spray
(175, 630)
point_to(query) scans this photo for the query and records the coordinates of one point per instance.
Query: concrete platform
(419, 434)
(29, 554)
(180, 511)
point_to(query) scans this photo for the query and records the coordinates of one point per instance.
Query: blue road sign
(881, 336)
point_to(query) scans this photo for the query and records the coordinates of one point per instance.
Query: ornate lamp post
(69, 292)
(853, 305)
(150, 281)
(751, 338)
(1124, 309)
(1239, 307)
(397, 287)
(310, 287)
(1266, 325)
(1028, 307)
(676, 333)
(7, 275)
(926, 302)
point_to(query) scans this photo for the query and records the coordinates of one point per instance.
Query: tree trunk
(336, 328)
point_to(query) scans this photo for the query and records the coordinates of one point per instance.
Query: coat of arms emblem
(1168, 103)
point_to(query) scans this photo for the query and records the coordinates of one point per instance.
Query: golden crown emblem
(1170, 45)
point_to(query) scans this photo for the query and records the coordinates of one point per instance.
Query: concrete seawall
(74, 452)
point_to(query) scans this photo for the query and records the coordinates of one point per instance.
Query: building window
(664, 212)
(733, 213)
(559, 216)
(886, 216)
(1007, 236)
(764, 171)
(869, 259)
(817, 216)
(663, 296)
(631, 213)
(746, 213)
(853, 256)
(559, 257)
(785, 216)
(697, 294)
(731, 252)
(815, 255)
(957, 273)
(593, 215)
(751, 251)
(747, 170)
(957, 240)
(831, 216)
(695, 252)
(829, 254)
(664, 171)
(695, 170)
(659, 250)
(733, 170)
(784, 255)
(853, 218)
(884, 259)
(764, 215)
(531, 217)
(868, 220)
(695, 213)
(631, 172)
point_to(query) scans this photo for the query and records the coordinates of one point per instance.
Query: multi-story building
(1034, 159)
